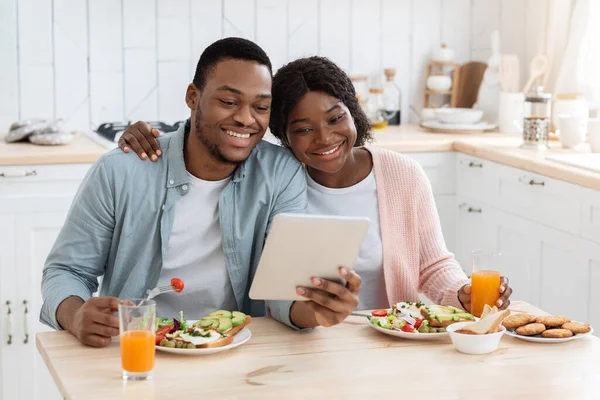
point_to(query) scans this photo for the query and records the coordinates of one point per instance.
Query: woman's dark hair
(294, 80)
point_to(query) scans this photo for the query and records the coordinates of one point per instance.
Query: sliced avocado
(215, 324)
(444, 318)
(238, 318)
(220, 313)
(456, 310)
(204, 323)
(225, 324)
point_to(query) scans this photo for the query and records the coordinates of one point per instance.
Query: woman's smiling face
(321, 131)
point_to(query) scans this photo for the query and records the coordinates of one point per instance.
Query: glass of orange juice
(137, 319)
(485, 280)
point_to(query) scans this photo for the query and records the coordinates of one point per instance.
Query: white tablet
(302, 246)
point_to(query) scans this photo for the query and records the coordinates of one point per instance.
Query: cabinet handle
(18, 174)
(9, 323)
(472, 164)
(25, 328)
(531, 182)
(470, 209)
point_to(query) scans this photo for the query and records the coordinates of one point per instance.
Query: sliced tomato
(177, 284)
(408, 328)
(379, 313)
(159, 338)
(164, 330)
(418, 323)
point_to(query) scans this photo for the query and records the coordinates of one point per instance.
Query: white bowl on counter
(474, 344)
(458, 115)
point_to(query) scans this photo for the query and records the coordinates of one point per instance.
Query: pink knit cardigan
(415, 257)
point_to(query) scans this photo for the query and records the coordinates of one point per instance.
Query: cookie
(557, 333)
(552, 321)
(518, 320)
(531, 329)
(576, 327)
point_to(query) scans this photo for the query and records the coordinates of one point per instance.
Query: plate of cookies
(545, 329)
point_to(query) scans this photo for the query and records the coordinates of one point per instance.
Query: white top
(359, 200)
(195, 255)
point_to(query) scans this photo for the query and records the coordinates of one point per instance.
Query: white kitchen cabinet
(547, 201)
(34, 201)
(473, 222)
(514, 237)
(590, 219)
(440, 170)
(566, 273)
(475, 178)
(9, 357)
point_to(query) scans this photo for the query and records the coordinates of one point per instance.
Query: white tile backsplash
(92, 61)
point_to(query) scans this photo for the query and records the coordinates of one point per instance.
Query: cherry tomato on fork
(379, 313)
(177, 284)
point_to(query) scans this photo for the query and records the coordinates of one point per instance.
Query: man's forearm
(67, 309)
(302, 315)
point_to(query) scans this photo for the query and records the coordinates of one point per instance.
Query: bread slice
(238, 328)
(487, 324)
(223, 341)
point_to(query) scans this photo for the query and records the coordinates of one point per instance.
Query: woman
(316, 114)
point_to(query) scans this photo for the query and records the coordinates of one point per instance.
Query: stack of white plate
(457, 119)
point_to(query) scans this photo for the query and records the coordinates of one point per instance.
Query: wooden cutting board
(470, 77)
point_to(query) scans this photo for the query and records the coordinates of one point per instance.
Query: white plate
(238, 339)
(441, 126)
(540, 339)
(409, 335)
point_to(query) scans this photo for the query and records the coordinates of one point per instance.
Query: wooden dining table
(348, 361)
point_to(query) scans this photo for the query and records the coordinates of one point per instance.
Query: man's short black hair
(294, 80)
(229, 48)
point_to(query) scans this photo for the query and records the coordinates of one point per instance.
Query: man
(201, 213)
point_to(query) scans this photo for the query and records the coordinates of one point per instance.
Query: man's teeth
(329, 152)
(238, 135)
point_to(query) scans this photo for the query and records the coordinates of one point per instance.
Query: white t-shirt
(359, 200)
(195, 255)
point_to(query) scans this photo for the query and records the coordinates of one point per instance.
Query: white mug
(594, 134)
(510, 109)
(572, 129)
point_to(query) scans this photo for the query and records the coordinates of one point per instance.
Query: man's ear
(192, 96)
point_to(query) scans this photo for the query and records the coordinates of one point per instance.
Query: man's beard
(212, 148)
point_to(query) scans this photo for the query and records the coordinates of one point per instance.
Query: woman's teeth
(329, 152)
(238, 135)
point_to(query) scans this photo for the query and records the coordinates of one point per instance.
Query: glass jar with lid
(537, 119)
(375, 109)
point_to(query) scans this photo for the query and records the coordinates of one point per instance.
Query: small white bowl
(458, 115)
(474, 344)
(440, 83)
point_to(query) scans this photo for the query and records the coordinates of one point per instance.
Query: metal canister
(537, 119)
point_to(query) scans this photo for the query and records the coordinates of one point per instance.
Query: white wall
(92, 61)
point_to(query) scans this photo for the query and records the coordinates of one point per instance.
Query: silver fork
(152, 293)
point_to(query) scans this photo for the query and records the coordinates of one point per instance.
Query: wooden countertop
(81, 150)
(497, 147)
(350, 360)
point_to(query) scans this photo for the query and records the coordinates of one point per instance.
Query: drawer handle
(470, 209)
(9, 323)
(18, 174)
(26, 329)
(472, 164)
(531, 182)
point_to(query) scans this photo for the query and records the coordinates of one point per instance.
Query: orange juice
(137, 351)
(484, 290)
